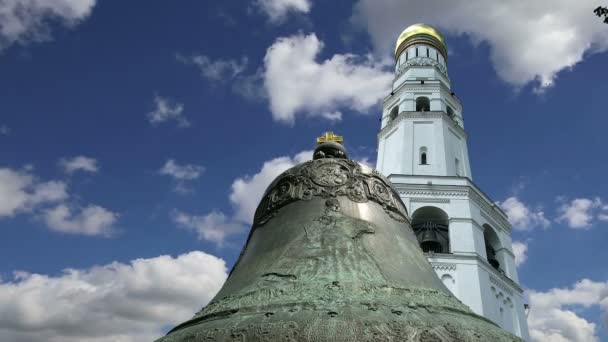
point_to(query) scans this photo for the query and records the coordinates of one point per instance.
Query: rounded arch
(423, 104)
(450, 111)
(431, 226)
(492, 242)
(394, 113)
(448, 281)
(423, 155)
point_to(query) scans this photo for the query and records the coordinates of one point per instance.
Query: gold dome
(427, 34)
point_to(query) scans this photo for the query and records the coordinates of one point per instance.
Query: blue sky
(136, 138)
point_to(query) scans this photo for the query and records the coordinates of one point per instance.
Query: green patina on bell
(332, 257)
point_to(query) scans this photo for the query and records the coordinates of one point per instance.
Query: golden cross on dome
(330, 136)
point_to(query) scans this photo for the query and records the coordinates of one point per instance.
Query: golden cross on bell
(330, 136)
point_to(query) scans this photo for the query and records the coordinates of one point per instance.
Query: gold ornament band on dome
(330, 136)
(422, 39)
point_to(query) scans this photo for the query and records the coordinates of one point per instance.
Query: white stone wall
(465, 270)
(401, 141)
(445, 183)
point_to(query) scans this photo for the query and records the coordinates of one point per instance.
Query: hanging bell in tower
(492, 256)
(331, 256)
(429, 241)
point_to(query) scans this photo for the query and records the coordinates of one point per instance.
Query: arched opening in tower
(431, 226)
(394, 113)
(450, 112)
(423, 104)
(492, 243)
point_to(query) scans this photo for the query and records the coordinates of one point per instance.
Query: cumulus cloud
(297, 83)
(553, 314)
(92, 220)
(166, 110)
(521, 216)
(129, 302)
(245, 195)
(215, 70)
(5, 130)
(20, 191)
(520, 249)
(229, 71)
(277, 10)
(181, 174)
(24, 21)
(214, 227)
(603, 216)
(580, 212)
(530, 41)
(79, 163)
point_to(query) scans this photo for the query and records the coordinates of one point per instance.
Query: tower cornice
(462, 187)
(415, 86)
(422, 115)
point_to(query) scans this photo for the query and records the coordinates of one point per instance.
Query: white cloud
(245, 196)
(530, 41)
(5, 130)
(277, 10)
(229, 71)
(24, 21)
(553, 318)
(603, 216)
(92, 220)
(116, 302)
(520, 249)
(297, 83)
(216, 70)
(79, 163)
(522, 217)
(20, 191)
(332, 116)
(580, 212)
(214, 227)
(166, 110)
(181, 172)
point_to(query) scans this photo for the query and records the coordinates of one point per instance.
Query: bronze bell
(331, 256)
(429, 241)
(492, 257)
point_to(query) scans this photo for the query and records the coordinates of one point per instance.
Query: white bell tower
(423, 151)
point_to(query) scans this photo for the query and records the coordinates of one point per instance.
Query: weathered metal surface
(332, 257)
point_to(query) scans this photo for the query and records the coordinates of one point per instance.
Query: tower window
(406, 55)
(394, 113)
(423, 104)
(423, 156)
(416, 52)
(427, 52)
(437, 55)
(450, 111)
(457, 166)
(492, 242)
